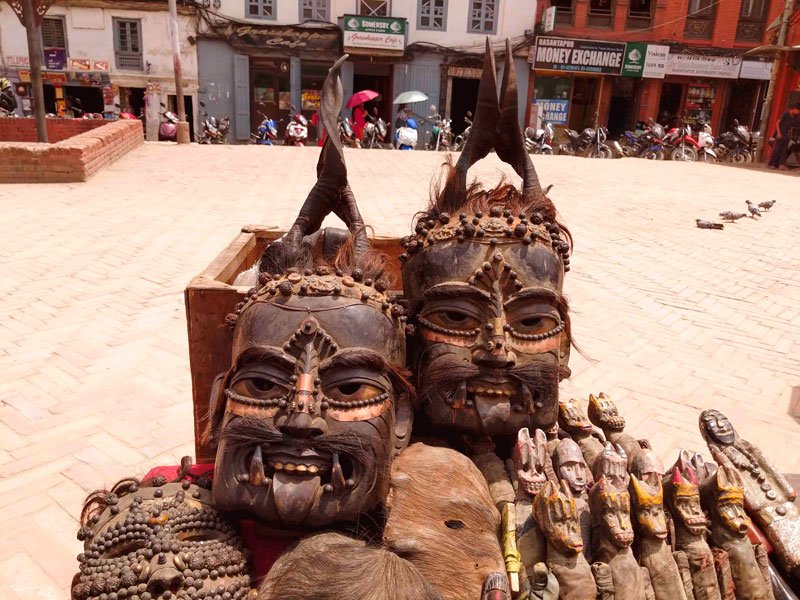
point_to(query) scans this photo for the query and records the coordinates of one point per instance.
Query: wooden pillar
(31, 21)
(183, 127)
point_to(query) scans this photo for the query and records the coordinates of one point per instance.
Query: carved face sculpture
(683, 498)
(571, 466)
(530, 454)
(557, 518)
(648, 505)
(716, 428)
(163, 541)
(572, 418)
(647, 467)
(728, 501)
(611, 512)
(310, 402)
(613, 464)
(484, 275)
(603, 413)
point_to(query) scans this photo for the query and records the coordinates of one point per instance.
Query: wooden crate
(210, 296)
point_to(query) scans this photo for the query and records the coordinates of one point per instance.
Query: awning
(771, 49)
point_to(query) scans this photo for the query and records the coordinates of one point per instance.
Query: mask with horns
(309, 416)
(483, 274)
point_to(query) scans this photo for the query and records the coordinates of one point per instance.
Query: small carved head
(603, 413)
(683, 500)
(571, 466)
(572, 418)
(716, 428)
(611, 512)
(648, 506)
(724, 495)
(530, 454)
(557, 517)
(647, 466)
(613, 463)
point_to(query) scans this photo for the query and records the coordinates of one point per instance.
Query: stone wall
(75, 158)
(24, 130)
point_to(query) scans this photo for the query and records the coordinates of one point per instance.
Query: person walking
(359, 120)
(783, 130)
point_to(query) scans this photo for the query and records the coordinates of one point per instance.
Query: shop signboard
(381, 33)
(311, 99)
(755, 69)
(645, 60)
(555, 112)
(698, 65)
(80, 64)
(549, 19)
(283, 37)
(55, 58)
(17, 61)
(575, 55)
(100, 65)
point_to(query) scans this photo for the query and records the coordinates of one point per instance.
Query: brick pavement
(94, 381)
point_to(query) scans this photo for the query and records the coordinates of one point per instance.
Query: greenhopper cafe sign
(374, 32)
(645, 60)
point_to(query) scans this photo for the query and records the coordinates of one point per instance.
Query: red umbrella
(361, 97)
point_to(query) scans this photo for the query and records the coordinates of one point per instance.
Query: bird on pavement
(708, 224)
(754, 211)
(731, 216)
(767, 204)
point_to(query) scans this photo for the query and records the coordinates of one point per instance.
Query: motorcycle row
(651, 141)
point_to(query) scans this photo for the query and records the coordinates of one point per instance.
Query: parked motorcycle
(706, 141)
(737, 145)
(375, 132)
(639, 142)
(8, 102)
(461, 138)
(168, 129)
(407, 135)
(590, 143)
(680, 145)
(215, 131)
(296, 132)
(540, 140)
(441, 135)
(267, 132)
(347, 134)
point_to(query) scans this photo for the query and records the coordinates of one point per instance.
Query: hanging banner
(55, 58)
(555, 112)
(374, 32)
(755, 69)
(17, 61)
(697, 65)
(582, 56)
(645, 60)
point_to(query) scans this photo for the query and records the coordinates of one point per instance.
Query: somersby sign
(582, 56)
(374, 32)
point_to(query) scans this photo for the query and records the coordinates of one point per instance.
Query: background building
(105, 55)
(704, 76)
(264, 56)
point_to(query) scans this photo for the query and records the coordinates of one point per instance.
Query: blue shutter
(241, 86)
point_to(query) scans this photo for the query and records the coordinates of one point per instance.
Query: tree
(30, 14)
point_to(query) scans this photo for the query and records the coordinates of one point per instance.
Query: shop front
(249, 71)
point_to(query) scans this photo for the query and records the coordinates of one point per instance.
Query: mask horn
(509, 143)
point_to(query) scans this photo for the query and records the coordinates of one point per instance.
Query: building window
(700, 19)
(564, 11)
(601, 13)
(750, 27)
(261, 9)
(315, 10)
(640, 13)
(128, 44)
(374, 8)
(483, 16)
(432, 14)
(54, 42)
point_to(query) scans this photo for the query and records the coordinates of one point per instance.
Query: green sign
(374, 32)
(633, 61)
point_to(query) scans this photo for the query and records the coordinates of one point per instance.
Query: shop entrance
(744, 104)
(622, 108)
(378, 78)
(463, 98)
(583, 108)
(132, 100)
(670, 103)
(269, 85)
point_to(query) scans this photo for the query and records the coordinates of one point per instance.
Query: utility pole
(30, 13)
(183, 125)
(773, 80)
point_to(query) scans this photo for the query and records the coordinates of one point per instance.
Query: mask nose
(163, 578)
(302, 425)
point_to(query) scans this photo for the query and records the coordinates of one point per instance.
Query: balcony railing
(129, 61)
(699, 27)
(750, 31)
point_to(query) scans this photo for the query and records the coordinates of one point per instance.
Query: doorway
(584, 103)
(269, 85)
(743, 106)
(463, 98)
(188, 105)
(622, 108)
(669, 106)
(378, 78)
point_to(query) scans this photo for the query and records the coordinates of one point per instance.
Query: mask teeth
(337, 475)
(257, 476)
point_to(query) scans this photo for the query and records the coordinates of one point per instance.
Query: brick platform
(73, 158)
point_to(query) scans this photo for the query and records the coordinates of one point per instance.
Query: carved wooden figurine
(557, 516)
(613, 536)
(768, 496)
(613, 463)
(651, 534)
(683, 501)
(603, 413)
(723, 499)
(573, 420)
(571, 467)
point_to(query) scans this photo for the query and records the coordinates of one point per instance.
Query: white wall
(90, 34)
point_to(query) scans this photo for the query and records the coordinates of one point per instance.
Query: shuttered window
(54, 34)
(260, 9)
(432, 14)
(128, 44)
(483, 16)
(314, 10)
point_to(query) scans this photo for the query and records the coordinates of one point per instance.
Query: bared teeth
(337, 475)
(313, 469)
(302, 468)
(491, 391)
(257, 476)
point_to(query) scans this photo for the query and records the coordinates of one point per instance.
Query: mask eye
(258, 385)
(452, 318)
(353, 392)
(534, 325)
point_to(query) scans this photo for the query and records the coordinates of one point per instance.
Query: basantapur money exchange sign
(575, 55)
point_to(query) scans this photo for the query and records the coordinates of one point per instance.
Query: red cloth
(263, 550)
(359, 120)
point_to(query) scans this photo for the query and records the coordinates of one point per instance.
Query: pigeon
(754, 212)
(731, 216)
(766, 205)
(708, 224)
